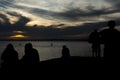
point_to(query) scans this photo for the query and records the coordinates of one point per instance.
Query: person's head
(111, 24)
(10, 46)
(28, 46)
(64, 46)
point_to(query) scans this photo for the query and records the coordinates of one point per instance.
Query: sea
(50, 49)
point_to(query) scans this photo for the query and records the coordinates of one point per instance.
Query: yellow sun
(18, 36)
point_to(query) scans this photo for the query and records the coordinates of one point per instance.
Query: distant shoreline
(49, 40)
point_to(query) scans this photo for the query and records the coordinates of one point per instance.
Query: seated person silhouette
(31, 56)
(65, 52)
(110, 40)
(9, 57)
(94, 39)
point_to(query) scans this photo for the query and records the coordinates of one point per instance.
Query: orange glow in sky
(18, 36)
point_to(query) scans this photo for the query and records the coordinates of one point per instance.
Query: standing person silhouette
(94, 39)
(9, 57)
(110, 40)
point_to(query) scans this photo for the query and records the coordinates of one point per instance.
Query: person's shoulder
(67, 48)
(15, 51)
(117, 30)
(35, 50)
(104, 31)
(92, 33)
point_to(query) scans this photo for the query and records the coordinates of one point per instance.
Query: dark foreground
(74, 60)
(73, 63)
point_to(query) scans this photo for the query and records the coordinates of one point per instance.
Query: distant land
(43, 39)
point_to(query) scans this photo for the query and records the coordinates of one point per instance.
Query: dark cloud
(21, 22)
(2, 16)
(52, 32)
(64, 33)
(6, 3)
(76, 14)
(115, 3)
(48, 32)
(6, 28)
(70, 14)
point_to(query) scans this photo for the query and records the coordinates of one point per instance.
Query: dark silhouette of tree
(94, 39)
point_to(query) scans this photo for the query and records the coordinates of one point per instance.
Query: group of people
(10, 57)
(110, 38)
(31, 57)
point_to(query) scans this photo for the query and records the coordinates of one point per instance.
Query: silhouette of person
(94, 39)
(9, 57)
(65, 52)
(31, 56)
(51, 44)
(110, 40)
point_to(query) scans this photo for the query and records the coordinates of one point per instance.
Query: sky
(55, 19)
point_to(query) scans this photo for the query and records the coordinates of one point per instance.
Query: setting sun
(18, 36)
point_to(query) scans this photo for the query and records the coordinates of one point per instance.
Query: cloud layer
(67, 10)
(55, 18)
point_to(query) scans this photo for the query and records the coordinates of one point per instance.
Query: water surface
(50, 49)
